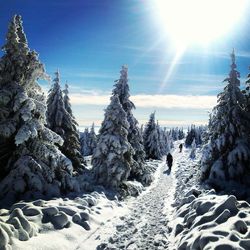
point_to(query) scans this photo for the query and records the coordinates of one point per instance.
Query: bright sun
(198, 22)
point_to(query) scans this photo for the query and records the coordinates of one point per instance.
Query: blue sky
(90, 40)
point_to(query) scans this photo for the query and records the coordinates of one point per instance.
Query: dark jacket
(169, 159)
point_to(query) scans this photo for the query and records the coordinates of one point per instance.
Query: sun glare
(189, 22)
(195, 23)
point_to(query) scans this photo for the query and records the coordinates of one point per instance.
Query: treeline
(40, 148)
(196, 134)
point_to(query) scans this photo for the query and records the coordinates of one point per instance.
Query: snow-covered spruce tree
(205, 135)
(170, 139)
(88, 141)
(181, 134)
(64, 124)
(190, 136)
(227, 155)
(85, 146)
(199, 135)
(142, 129)
(193, 150)
(175, 133)
(30, 161)
(66, 101)
(92, 139)
(194, 133)
(151, 139)
(166, 140)
(113, 157)
(246, 92)
(121, 89)
(73, 136)
(162, 140)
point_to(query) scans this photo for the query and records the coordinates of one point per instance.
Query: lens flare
(195, 22)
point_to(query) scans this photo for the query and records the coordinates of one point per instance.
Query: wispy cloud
(165, 62)
(208, 78)
(110, 76)
(138, 48)
(77, 89)
(242, 53)
(222, 54)
(209, 52)
(175, 101)
(131, 47)
(83, 99)
(95, 75)
(150, 101)
(238, 53)
(203, 89)
(164, 123)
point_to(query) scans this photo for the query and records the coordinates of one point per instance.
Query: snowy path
(146, 227)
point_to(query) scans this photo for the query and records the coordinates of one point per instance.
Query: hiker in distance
(169, 161)
(180, 147)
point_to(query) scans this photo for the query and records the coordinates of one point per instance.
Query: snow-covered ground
(204, 219)
(210, 221)
(82, 222)
(146, 225)
(186, 173)
(57, 223)
(174, 212)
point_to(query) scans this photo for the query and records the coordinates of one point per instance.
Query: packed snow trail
(146, 227)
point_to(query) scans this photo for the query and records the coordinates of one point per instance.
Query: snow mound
(23, 220)
(147, 176)
(211, 221)
(187, 173)
(131, 188)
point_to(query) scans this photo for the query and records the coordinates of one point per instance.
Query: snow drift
(211, 221)
(42, 218)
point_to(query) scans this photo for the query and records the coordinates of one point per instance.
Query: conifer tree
(92, 138)
(88, 141)
(227, 155)
(170, 139)
(113, 156)
(66, 100)
(30, 161)
(190, 136)
(142, 129)
(194, 133)
(63, 123)
(246, 92)
(166, 141)
(134, 134)
(162, 140)
(181, 134)
(85, 146)
(151, 139)
(193, 150)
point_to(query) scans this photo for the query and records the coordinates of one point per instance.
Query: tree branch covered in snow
(88, 141)
(227, 154)
(121, 89)
(113, 156)
(61, 120)
(151, 137)
(30, 161)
